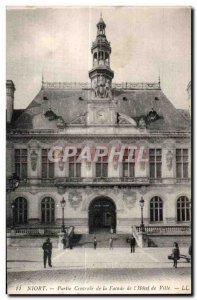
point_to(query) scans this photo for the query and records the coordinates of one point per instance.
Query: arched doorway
(102, 215)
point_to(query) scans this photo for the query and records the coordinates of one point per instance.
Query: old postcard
(98, 150)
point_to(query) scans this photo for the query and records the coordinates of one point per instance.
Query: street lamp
(13, 183)
(63, 203)
(142, 222)
(13, 214)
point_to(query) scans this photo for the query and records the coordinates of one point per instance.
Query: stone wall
(126, 200)
(167, 241)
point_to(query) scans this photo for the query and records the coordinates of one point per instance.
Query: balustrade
(40, 230)
(87, 85)
(164, 229)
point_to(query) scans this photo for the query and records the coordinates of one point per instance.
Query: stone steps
(86, 240)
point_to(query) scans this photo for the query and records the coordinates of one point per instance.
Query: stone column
(86, 169)
(60, 169)
(142, 161)
(168, 162)
(34, 162)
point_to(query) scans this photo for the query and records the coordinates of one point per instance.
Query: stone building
(99, 195)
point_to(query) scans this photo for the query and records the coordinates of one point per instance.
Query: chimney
(10, 88)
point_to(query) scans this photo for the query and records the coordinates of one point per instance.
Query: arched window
(183, 209)
(48, 210)
(20, 210)
(156, 209)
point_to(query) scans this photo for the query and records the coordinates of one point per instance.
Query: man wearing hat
(47, 247)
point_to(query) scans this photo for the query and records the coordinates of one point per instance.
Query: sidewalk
(31, 259)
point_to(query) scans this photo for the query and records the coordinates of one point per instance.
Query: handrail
(165, 228)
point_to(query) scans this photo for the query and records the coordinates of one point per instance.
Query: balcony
(183, 180)
(166, 230)
(156, 180)
(96, 181)
(108, 181)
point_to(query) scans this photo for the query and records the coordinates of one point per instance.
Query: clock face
(101, 115)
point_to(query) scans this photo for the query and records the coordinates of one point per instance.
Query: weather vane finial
(42, 79)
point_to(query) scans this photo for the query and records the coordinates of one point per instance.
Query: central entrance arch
(102, 215)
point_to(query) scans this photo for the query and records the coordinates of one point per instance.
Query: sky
(146, 43)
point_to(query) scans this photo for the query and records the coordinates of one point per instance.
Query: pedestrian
(95, 243)
(175, 254)
(64, 241)
(132, 242)
(47, 247)
(70, 243)
(111, 240)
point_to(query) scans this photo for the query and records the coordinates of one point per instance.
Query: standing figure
(111, 240)
(175, 254)
(133, 242)
(64, 241)
(70, 242)
(95, 87)
(47, 247)
(107, 89)
(95, 243)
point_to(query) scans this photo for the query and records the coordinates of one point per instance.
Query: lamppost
(142, 221)
(13, 213)
(63, 203)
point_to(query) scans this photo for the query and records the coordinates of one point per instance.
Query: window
(47, 165)
(155, 156)
(21, 163)
(20, 211)
(48, 210)
(183, 209)
(182, 163)
(156, 209)
(74, 166)
(102, 167)
(128, 168)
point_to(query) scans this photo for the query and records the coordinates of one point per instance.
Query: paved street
(88, 268)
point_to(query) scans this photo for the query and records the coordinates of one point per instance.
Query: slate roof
(15, 116)
(69, 104)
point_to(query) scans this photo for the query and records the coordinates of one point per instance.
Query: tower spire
(42, 81)
(159, 80)
(101, 74)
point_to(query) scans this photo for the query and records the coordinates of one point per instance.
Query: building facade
(100, 194)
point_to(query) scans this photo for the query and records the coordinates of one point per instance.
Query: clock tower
(101, 106)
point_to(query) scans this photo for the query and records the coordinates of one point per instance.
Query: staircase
(86, 240)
